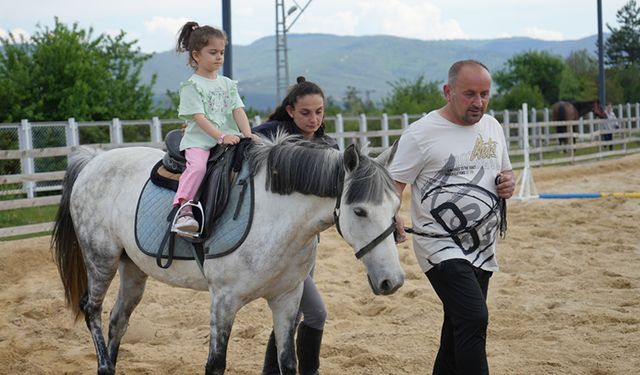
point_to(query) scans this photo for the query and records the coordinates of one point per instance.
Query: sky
(154, 23)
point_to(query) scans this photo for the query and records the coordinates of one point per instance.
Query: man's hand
(506, 185)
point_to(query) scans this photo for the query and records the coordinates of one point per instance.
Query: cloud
(538, 33)
(18, 34)
(419, 20)
(165, 24)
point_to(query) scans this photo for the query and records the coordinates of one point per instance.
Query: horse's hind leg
(132, 284)
(101, 268)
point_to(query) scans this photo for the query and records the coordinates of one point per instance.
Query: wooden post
(25, 138)
(405, 121)
(384, 126)
(115, 131)
(545, 119)
(340, 130)
(505, 128)
(156, 130)
(71, 131)
(257, 120)
(364, 140)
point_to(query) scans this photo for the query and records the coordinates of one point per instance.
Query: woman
(301, 112)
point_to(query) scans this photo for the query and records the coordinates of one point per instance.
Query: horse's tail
(64, 241)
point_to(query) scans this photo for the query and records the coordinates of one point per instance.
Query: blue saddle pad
(227, 234)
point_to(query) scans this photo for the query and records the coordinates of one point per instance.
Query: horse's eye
(360, 212)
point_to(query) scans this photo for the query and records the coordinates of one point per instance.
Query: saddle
(223, 166)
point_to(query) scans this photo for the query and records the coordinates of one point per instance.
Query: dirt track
(567, 300)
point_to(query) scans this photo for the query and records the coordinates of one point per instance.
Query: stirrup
(183, 233)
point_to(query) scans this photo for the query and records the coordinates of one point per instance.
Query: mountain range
(368, 63)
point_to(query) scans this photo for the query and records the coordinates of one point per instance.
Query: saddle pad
(155, 205)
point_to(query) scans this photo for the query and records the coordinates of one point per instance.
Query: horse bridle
(362, 252)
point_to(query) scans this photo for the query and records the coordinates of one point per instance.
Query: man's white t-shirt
(452, 171)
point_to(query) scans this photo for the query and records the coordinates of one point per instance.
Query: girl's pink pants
(192, 176)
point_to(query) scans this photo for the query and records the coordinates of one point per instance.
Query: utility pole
(226, 26)
(601, 88)
(282, 59)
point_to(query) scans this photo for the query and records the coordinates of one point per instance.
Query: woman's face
(308, 114)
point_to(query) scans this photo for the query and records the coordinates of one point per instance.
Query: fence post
(520, 132)
(637, 115)
(581, 126)
(71, 131)
(535, 130)
(115, 131)
(505, 129)
(340, 130)
(25, 139)
(257, 120)
(363, 129)
(405, 121)
(156, 130)
(384, 126)
(630, 121)
(545, 119)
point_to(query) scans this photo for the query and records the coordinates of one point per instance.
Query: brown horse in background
(570, 111)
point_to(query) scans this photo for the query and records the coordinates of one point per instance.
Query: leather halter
(362, 252)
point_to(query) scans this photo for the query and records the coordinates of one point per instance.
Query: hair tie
(194, 27)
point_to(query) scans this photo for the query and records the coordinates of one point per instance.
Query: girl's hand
(230, 139)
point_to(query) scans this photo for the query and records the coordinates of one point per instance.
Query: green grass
(26, 216)
(25, 236)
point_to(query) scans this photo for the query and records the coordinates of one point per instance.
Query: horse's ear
(351, 158)
(386, 157)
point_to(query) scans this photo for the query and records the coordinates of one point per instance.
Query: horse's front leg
(223, 313)
(284, 309)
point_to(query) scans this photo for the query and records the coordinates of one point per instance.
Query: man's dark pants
(462, 288)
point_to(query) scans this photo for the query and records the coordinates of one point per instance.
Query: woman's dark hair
(300, 89)
(193, 37)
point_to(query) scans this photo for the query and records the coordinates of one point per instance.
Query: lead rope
(502, 206)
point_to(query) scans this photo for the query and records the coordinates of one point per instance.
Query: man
(456, 161)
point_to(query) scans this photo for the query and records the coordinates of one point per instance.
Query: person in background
(609, 125)
(455, 159)
(301, 112)
(213, 111)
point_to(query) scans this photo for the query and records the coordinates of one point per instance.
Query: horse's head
(364, 217)
(597, 109)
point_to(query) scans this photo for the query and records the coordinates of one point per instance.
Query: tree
(579, 81)
(521, 93)
(413, 96)
(65, 72)
(535, 69)
(623, 45)
(354, 104)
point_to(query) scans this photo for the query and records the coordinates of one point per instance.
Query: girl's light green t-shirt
(216, 99)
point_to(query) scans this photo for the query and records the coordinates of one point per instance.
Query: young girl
(212, 108)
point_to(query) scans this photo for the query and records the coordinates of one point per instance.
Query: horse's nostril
(385, 287)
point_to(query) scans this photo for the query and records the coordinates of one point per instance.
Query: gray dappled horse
(300, 190)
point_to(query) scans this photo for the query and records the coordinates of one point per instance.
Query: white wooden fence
(584, 142)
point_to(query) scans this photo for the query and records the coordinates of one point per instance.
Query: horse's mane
(296, 165)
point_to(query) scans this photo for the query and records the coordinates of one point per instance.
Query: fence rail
(38, 151)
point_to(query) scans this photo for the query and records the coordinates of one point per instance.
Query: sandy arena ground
(567, 300)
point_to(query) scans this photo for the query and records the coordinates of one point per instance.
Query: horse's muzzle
(385, 288)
